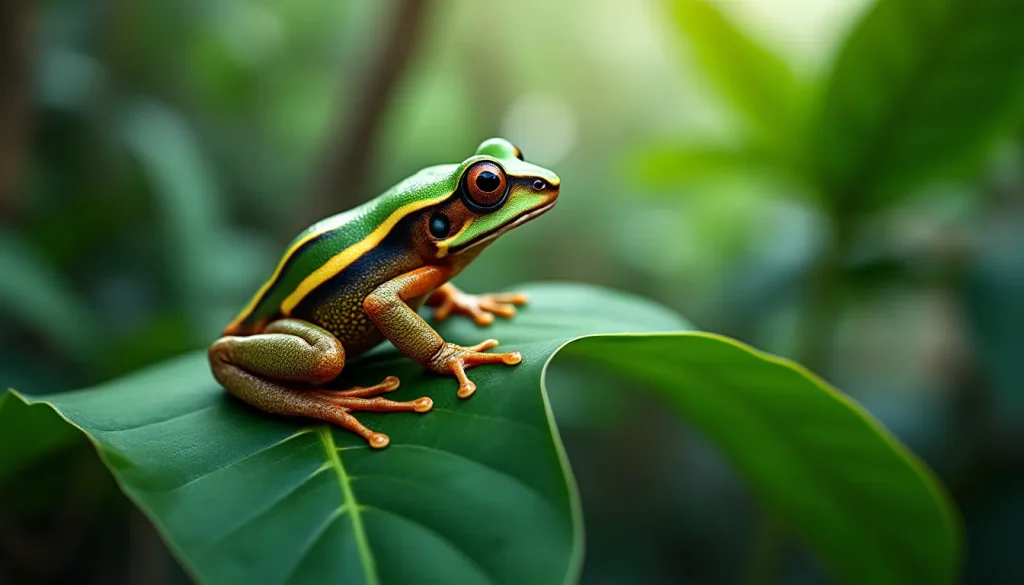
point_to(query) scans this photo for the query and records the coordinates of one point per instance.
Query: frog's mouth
(490, 236)
(529, 215)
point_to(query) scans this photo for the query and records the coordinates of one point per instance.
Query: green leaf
(921, 88)
(200, 248)
(819, 461)
(756, 82)
(668, 164)
(40, 297)
(479, 490)
(671, 165)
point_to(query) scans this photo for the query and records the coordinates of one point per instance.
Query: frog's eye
(518, 153)
(484, 187)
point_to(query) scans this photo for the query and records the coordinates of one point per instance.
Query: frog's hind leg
(274, 371)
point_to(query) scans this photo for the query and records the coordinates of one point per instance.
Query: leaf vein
(540, 495)
(157, 422)
(269, 507)
(316, 536)
(256, 453)
(458, 549)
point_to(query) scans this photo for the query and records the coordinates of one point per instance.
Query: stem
(826, 290)
(15, 107)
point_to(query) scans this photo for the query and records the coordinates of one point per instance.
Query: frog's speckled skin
(350, 281)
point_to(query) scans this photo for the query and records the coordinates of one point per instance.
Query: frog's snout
(547, 186)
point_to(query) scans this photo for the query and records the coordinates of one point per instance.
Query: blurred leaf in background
(921, 89)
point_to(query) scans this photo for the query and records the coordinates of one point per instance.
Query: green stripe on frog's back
(327, 247)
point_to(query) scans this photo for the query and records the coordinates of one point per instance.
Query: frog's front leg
(275, 372)
(387, 307)
(449, 299)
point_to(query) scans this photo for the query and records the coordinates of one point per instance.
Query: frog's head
(494, 191)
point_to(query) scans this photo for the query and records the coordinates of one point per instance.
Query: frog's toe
(389, 384)
(454, 360)
(491, 304)
(378, 440)
(378, 404)
(502, 304)
(480, 308)
(475, 356)
(423, 404)
(338, 409)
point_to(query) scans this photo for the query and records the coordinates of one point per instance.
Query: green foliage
(666, 166)
(993, 289)
(39, 298)
(204, 265)
(170, 162)
(754, 80)
(183, 189)
(918, 95)
(470, 491)
(919, 90)
(818, 460)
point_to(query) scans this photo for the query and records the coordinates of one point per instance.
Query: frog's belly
(337, 305)
(342, 314)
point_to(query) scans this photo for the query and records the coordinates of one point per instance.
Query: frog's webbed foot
(454, 360)
(448, 299)
(337, 406)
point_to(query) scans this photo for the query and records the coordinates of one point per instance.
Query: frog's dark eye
(439, 226)
(484, 187)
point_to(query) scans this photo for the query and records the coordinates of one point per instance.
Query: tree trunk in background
(341, 180)
(15, 108)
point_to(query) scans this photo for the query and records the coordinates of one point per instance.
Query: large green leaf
(757, 83)
(818, 460)
(479, 490)
(920, 88)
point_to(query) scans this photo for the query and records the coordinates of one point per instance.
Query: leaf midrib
(350, 505)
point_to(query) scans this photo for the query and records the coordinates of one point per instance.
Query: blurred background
(839, 182)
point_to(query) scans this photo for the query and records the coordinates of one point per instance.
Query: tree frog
(348, 282)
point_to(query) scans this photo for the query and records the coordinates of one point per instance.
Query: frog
(357, 279)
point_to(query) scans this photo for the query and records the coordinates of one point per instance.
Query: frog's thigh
(289, 350)
(268, 371)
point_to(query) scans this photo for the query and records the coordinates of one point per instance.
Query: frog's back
(327, 270)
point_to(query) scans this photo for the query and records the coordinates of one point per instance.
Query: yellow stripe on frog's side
(342, 259)
(273, 278)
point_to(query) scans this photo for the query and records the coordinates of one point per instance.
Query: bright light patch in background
(542, 126)
(253, 34)
(805, 32)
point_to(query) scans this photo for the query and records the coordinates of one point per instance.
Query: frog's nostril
(538, 185)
